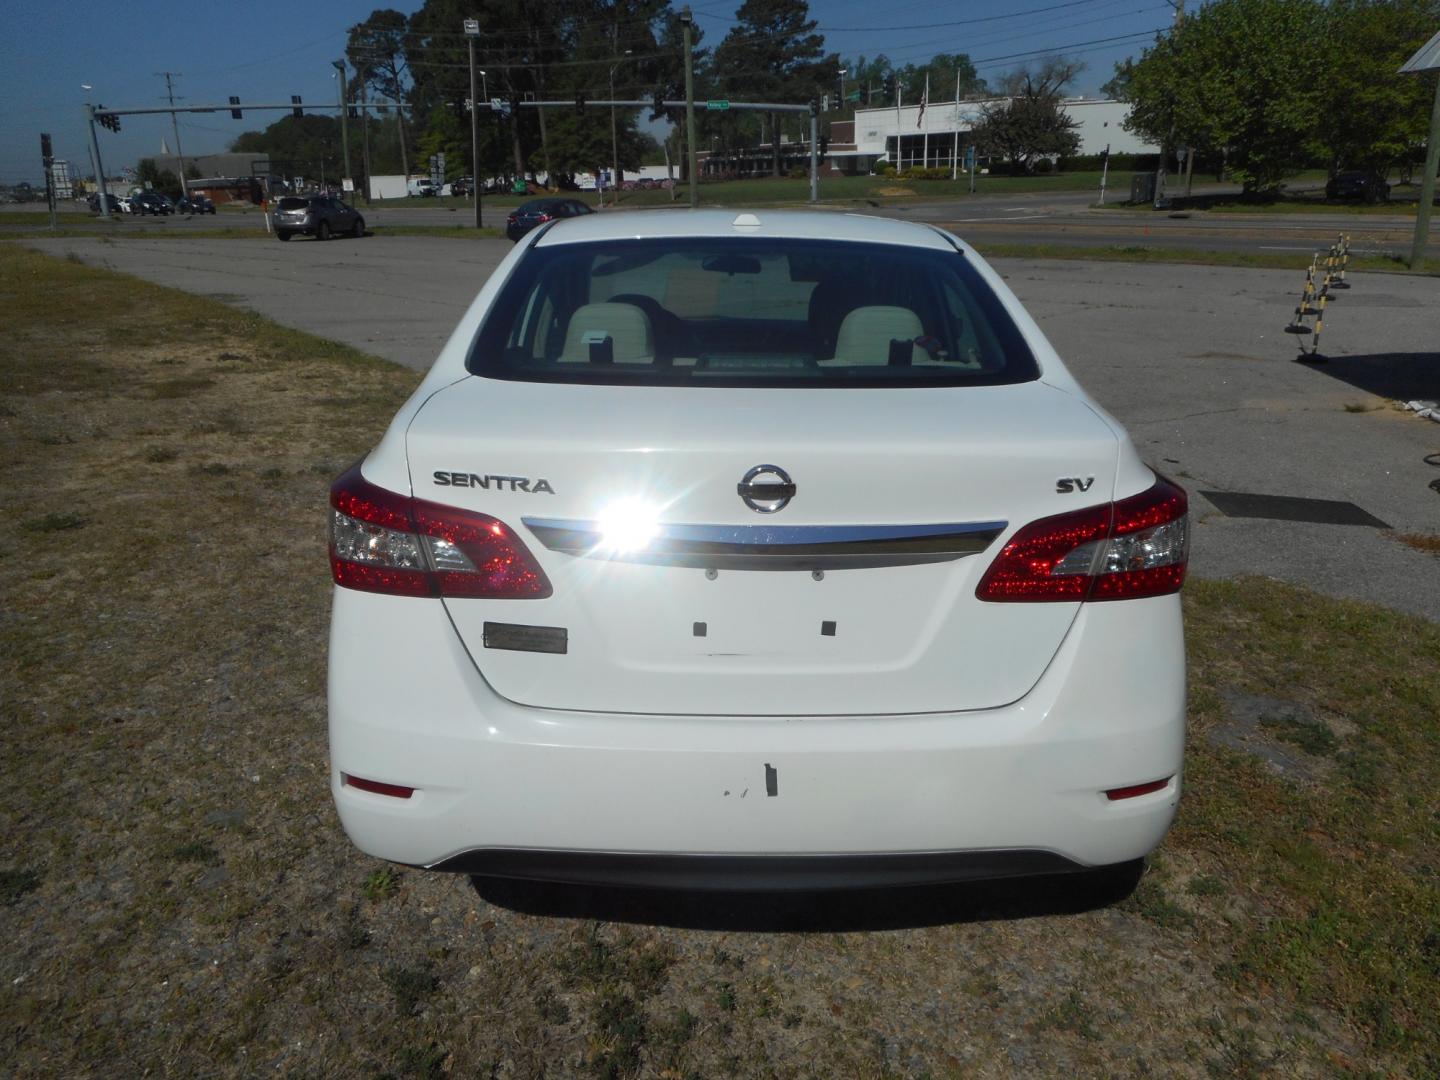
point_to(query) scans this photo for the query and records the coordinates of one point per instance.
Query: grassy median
(177, 897)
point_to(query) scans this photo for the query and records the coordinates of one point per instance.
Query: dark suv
(150, 203)
(1358, 187)
(320, 216)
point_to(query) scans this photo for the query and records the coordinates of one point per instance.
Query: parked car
(320, 216)
(424, 189)
(1358, 186)
(195, 204)
(112, 203)
(150, 202)
(645, 183)
(538, 211)
(757, 551)
(126, 203)
(462, 187)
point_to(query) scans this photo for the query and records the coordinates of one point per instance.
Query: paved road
(1064, 217)
(1192, 359)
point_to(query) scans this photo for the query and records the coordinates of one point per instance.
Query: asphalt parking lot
(1193, 360)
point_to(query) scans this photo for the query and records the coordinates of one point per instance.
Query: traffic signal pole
(95, 161)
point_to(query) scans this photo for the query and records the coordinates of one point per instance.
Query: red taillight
(1136, 790)
(375, 787)
(1121, 551)
(388, 543)
(542, 218)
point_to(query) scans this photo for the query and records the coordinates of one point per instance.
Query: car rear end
(296, 216)
(745, 553)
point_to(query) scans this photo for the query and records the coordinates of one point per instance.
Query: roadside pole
(1104, 172)
(814, 154)
(95, 160)
(47, 158)
(970, 155)
(472, 31)
(687, 20)
(1427, 187)
(339, 66)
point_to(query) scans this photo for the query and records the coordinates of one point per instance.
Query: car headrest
(609, 333)
(867, 332)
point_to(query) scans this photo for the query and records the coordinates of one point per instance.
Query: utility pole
(174, 124)
(472, 31)
(1426, 60)
(614, 142)
(339, 66)
(687, 20)
(365, 138)
(1179, 6)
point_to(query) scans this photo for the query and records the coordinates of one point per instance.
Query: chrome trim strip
(777, 547)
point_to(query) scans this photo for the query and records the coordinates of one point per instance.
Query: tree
(774, 53)
(944, 72)
(1241, 75)
(1028, 123)
(153, 178)
(376, 50)
(296, 145)
(1372, 116)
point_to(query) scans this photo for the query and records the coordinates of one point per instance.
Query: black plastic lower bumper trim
(755, 873)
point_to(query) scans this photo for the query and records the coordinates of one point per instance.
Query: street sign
(437, 170)
(472, 27)
(854, 95)
(717, 106)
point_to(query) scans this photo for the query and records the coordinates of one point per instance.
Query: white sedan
(759, 551)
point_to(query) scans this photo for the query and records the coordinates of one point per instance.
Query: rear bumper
(565, 796)
(755, 873)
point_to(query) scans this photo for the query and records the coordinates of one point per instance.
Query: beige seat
(866, 333)
(628, 328)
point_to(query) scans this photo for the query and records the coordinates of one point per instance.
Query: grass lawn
(772, 192)
(1263, 260)
(177, 898)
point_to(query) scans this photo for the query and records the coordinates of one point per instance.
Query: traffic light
(824, 146)
(457, 108)
(109, 123)
(580, 103)
(297, 111)
(825, 103)
(814, 106)
(659, 102)
(839, 91)
(892, 84)
(353, 112)
(235, 112)
(47, 152)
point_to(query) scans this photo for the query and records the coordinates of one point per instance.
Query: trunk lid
(890, 625)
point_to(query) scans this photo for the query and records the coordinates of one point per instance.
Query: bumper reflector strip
(395, 791)
(1135, 790)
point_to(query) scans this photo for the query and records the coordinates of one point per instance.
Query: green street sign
(854, 95)
(717, 106)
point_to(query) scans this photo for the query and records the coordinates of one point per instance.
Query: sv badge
(1069, 484)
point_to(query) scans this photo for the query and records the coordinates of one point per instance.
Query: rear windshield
(749, 311)
(291, 202)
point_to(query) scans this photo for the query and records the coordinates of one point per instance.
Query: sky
(269, 49)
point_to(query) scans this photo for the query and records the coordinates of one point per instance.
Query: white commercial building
(904, 137)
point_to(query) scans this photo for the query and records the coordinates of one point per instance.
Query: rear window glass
(291, 202)
(749, 311)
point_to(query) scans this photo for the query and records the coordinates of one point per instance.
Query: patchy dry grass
(177, 897)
